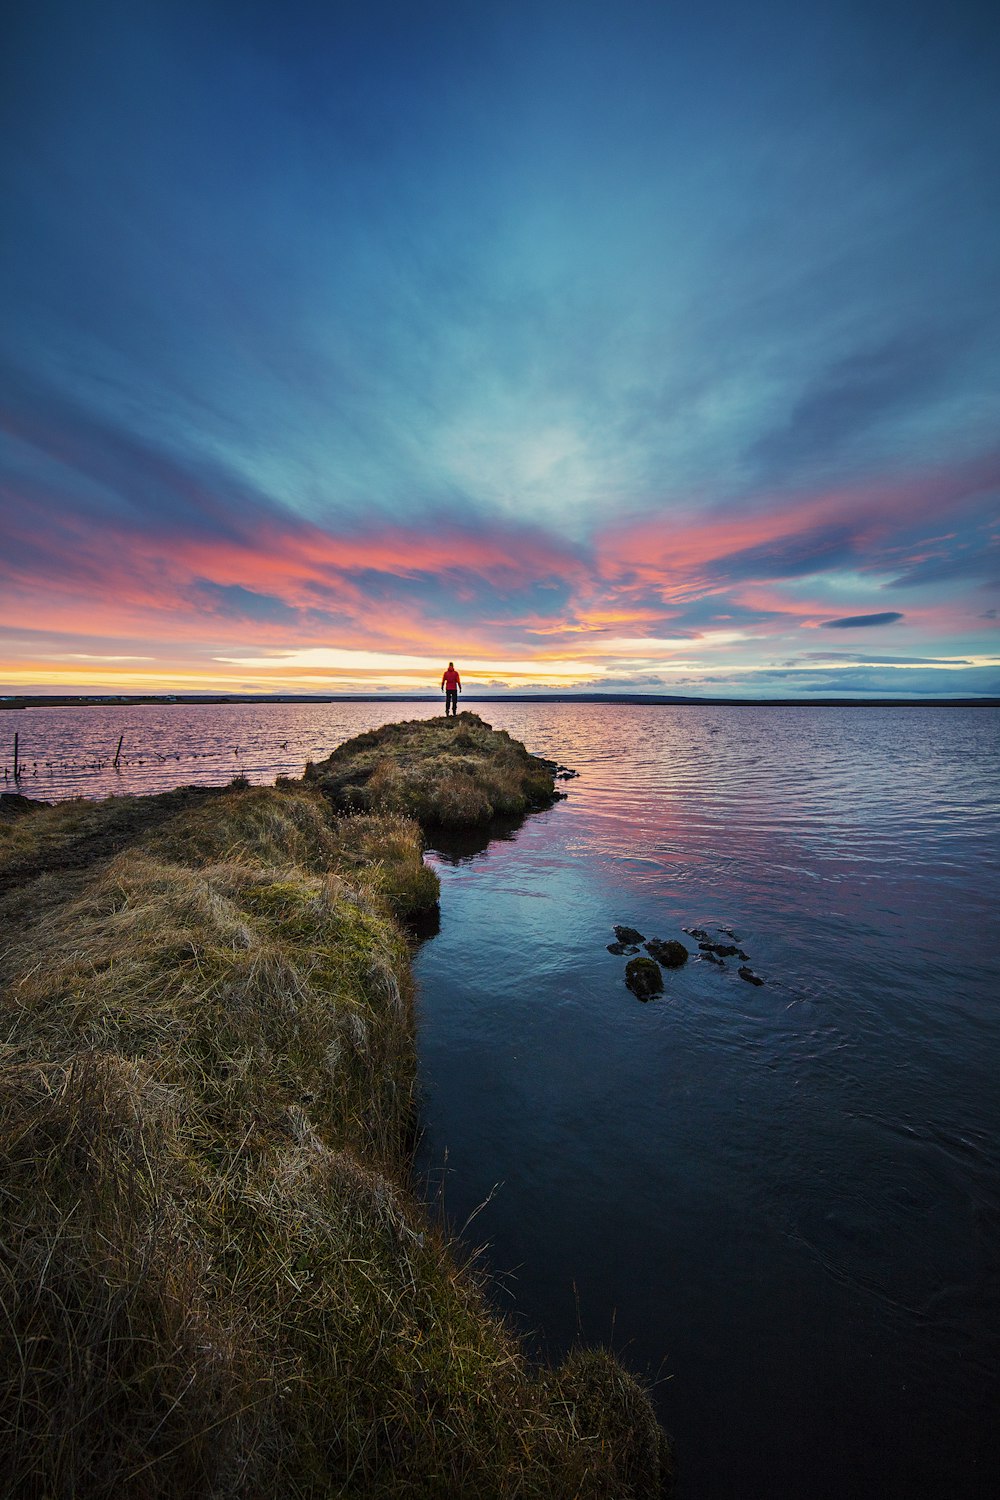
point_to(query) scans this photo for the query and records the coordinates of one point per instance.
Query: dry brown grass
(214, 1280)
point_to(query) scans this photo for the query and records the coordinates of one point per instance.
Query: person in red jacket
(452, 684)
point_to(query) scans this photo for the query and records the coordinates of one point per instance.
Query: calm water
(782, 1203)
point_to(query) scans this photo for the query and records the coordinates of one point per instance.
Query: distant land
(126, 700)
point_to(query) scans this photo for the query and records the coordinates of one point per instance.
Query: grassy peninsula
(215, 1278)
(451, 773)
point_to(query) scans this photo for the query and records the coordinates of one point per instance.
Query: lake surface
(781, 1203)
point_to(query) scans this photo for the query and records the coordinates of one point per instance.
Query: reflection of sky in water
(782, 1199)
(777, 1194)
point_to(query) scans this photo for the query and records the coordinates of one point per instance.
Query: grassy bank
(215, 1280)
(450, 773)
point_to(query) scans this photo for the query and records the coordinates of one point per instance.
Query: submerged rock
(725, 950)
(710, 958)
(628, 934)
(698, 933)
(643, 978)
(620, 948)
(749, 975)
(671, 954)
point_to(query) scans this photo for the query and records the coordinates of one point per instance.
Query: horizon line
(18, 701)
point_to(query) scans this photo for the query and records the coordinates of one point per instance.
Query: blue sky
(610, 347)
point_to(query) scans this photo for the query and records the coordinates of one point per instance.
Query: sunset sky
(619, 346)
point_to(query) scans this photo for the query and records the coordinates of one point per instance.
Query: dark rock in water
(724, 950)
(697, 932)
(729, 933)
(710, 958)
(749, 975)
(628, 935)
(643, 978)
(563, 773)
(670, 954)
(620, 948)
(745, 956)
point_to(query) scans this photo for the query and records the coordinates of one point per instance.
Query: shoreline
(137, 700)
(217, 1272)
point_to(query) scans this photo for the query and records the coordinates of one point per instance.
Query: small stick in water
(118, 751)
(16, 770)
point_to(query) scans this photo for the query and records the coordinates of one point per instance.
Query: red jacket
(451, 680)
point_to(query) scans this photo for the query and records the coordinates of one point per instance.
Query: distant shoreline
(136, 700)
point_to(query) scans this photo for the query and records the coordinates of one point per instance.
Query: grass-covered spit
(213, 1276)
(451, 773)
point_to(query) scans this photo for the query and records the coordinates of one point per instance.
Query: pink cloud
(678, 551)
(65, 572)
(118, 579)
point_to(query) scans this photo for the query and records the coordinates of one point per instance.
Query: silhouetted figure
(452, 684)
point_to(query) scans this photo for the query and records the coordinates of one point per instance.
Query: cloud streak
(862, 622)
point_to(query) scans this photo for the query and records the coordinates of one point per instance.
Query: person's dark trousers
(450, 701)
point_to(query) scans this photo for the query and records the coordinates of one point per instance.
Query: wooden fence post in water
(118, 751)
(16, 771)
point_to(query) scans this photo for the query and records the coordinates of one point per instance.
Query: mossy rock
(671, 954)
(643, 978)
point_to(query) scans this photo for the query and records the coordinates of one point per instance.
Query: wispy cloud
(862, 622)
(856, 394)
